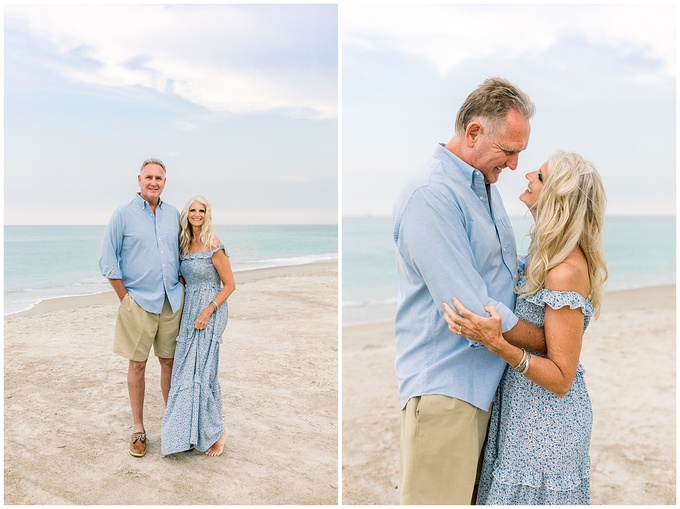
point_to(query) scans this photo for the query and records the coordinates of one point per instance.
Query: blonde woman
(540, 426)
(193, 416)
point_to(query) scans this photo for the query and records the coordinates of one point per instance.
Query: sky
(239, 101)
(602, 77)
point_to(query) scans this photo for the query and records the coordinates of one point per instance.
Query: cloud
(227, 58)
(448, 35)
(183, 125)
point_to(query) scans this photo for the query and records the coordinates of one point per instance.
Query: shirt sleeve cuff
(111, 273)
(508, 318)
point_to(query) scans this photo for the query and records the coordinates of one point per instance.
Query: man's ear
(472, 133)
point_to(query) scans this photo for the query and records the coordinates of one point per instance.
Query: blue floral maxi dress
(194, 412)
(537, 450)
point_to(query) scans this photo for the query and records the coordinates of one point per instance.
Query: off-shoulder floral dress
(194, 412)
(537, 450)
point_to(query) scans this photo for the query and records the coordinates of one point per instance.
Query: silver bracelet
(214, 305)
(526, 368)
(523, 365)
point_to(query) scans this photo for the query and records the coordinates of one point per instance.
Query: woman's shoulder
(570, 275)
(215, 243)
(216, 246)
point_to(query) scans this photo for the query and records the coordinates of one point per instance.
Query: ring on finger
(460, 329)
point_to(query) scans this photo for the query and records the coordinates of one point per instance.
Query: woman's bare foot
(217, 448)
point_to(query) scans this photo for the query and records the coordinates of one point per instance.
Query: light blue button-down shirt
(450, 242)
(142, 249)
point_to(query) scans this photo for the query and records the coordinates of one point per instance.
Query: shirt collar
(469, 173)
(143, 203)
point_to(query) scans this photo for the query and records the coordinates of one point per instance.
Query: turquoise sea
(640, 252)
(43, 262)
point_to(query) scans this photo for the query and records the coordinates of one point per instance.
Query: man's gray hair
(152, 160)
(489, 104)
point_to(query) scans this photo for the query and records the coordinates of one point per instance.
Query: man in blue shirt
(140, 258)
(454, 238)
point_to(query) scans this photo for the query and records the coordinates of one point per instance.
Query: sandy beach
(629, 357)
(68, 422)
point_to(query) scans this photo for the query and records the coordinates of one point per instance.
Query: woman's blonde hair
(569, 213)
(206, 237)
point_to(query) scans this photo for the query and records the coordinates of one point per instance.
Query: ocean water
(43, 262)
(640, 252)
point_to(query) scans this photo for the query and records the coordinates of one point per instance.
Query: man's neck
(456, 146)
(152, 205)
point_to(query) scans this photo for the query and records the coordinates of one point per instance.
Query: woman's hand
(484, 330)
(203, 318)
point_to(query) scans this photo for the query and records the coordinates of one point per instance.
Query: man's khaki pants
(441, 444)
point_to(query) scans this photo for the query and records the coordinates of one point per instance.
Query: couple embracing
(495, 409)
(150, 253)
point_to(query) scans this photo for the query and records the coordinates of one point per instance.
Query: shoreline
(629, 354)
(109, 297)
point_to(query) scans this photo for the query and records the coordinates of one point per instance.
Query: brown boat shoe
(138, 444)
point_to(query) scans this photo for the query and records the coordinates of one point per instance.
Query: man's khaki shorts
(137, 330)
(441, 444)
